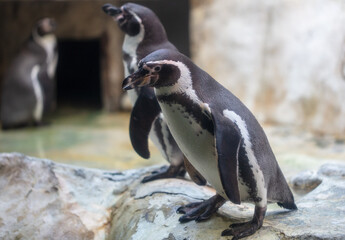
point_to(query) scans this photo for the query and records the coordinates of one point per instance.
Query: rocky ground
(41, 199)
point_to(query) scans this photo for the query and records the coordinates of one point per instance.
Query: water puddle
(86, 138)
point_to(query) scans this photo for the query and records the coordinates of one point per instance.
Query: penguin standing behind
(28, 90)
(144, 33)
(218, 134)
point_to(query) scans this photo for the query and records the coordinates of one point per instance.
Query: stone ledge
(41, 199)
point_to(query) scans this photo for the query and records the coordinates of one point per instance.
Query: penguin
(28, 90)
(220, 137)
(144, 33)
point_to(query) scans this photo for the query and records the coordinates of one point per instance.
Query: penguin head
(132, 17)
(127, 17)
(161, 68)
(45, 26)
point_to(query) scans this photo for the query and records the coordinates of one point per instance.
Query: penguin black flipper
(145, 111)
(228, 141)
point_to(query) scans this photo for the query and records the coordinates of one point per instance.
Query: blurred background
(284, 59)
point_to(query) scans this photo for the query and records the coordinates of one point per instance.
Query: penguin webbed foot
(241, 230)
(165, 172)
(200, 211)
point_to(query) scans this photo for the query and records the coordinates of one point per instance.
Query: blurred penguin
(28, 91)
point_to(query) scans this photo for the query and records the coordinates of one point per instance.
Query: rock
(332, 170)
(41, 199)
(306, 181)
(150, 210)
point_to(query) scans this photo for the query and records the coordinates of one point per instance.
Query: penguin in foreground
(219, 136)
(144, 33)
(28, 90)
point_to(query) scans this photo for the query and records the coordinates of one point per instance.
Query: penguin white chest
(48, 43)
(129, 49)
(130, 62)
(197, 143)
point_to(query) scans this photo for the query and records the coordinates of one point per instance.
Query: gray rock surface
(306, 181)
(40, 199)
(332, 170)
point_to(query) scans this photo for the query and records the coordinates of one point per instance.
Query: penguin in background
(144, 33)
(219, 136)
(28, 91)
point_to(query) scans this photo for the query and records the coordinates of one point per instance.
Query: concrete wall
(283, 59)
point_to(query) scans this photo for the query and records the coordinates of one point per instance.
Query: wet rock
(306, 181)
(44, 200)
(40, 199)
(319, 215)
(332, 170)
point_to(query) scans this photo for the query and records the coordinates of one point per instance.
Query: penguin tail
(288, 205)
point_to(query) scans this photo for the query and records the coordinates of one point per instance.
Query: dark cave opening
(78, 74)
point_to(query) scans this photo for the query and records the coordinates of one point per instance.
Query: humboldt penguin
(28, 90)
(219, 136)
(144, 33)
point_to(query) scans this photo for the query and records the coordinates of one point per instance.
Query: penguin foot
(241, 230)
(165, 172)
(200, 211)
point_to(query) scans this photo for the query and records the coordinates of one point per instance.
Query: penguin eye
(157, 68)
(124, 9)
(126, 13)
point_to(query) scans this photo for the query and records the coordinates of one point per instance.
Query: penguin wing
(145, 111)
(228, 141)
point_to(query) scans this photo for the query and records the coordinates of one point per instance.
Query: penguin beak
(111, 10)
(140, 78)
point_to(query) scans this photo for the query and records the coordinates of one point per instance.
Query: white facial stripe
(37, 114)
(258, 175)
(135, 16)
(184, 84)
